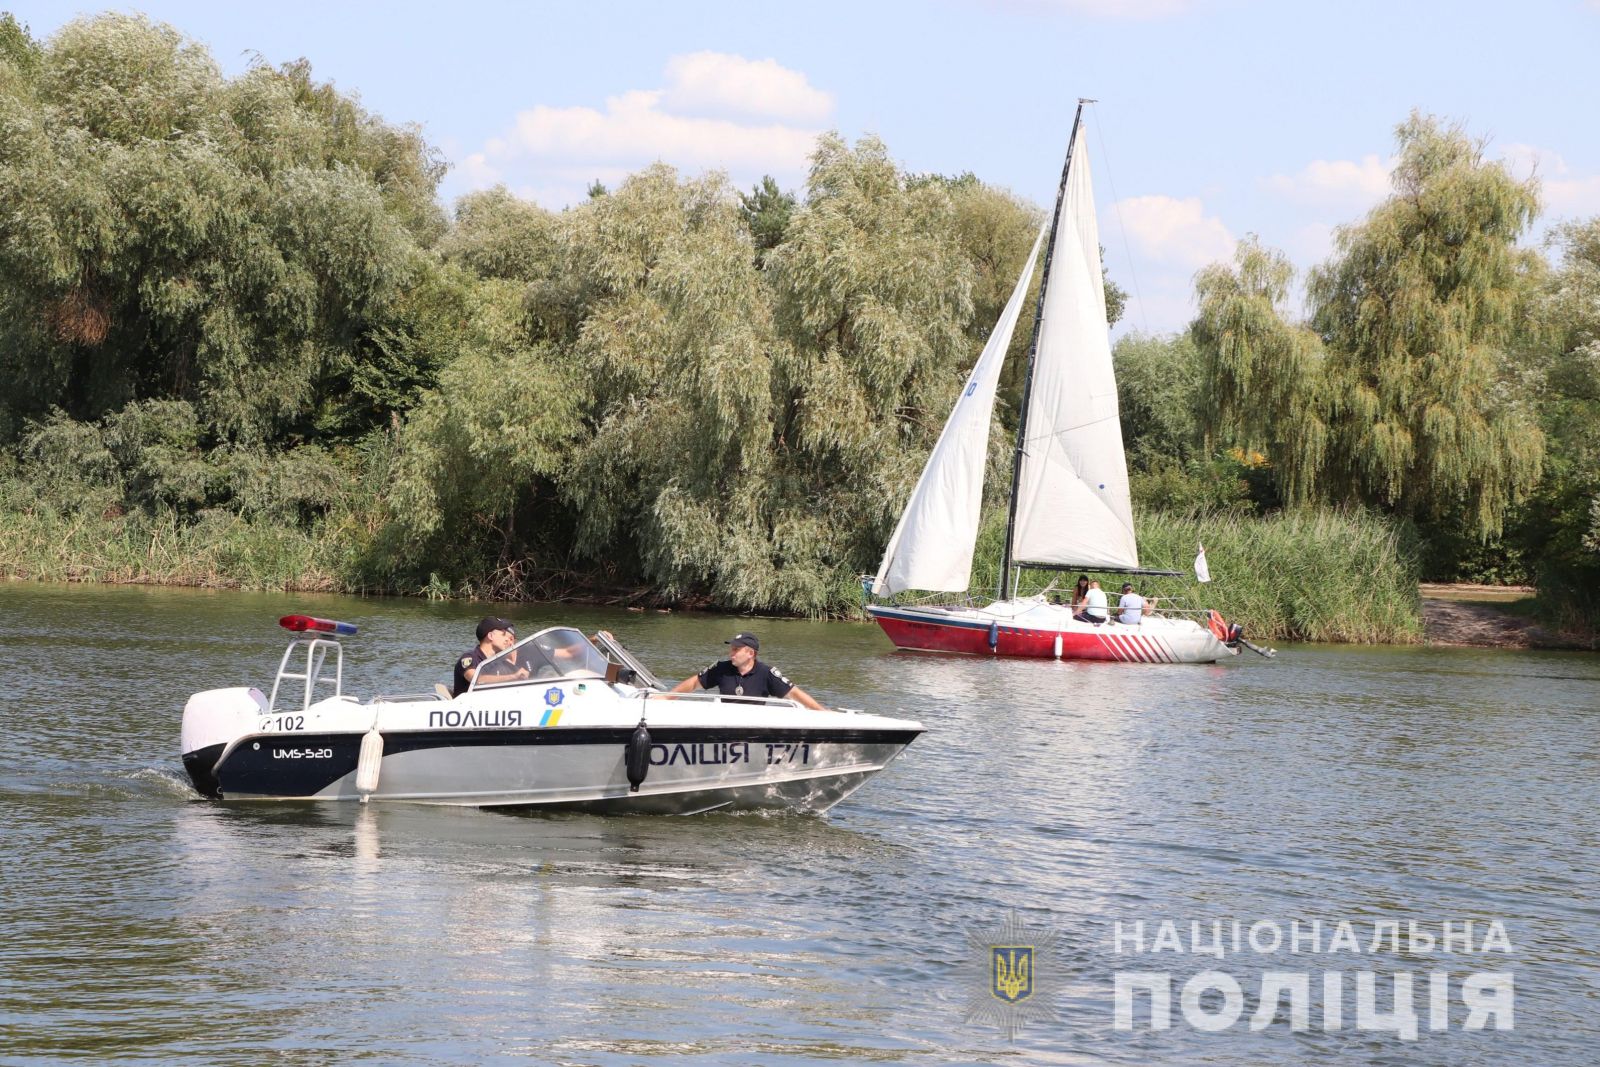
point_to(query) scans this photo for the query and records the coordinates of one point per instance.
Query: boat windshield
(559, 652)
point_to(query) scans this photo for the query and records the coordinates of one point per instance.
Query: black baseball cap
(744, 639)
(492, 623)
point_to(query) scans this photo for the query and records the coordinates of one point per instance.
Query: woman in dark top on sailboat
(1079, 592)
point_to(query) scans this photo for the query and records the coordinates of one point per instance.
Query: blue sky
(1217, 118)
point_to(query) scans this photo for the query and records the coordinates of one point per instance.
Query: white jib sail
(932, 547)
(1073, 506)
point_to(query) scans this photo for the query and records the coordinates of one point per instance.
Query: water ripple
(1333, 784)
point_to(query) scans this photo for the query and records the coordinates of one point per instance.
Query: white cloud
(1573, 198)
(1566, 193)
(716, 83)
(477, 172)
(715, 112)
(634, 127)
(1176, 232)
(1525, 160)
(1337, 183)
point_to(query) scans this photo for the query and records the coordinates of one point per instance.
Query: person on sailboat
(1131, 607)
(1094, 605)
(1079, 592)
(743, 675)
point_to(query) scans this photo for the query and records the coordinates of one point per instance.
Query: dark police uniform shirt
(762, 681)
(467, 661)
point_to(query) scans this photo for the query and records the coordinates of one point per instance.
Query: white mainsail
(1073, 505)
(932, 546)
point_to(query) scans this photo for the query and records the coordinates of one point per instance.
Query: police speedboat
(576, 728)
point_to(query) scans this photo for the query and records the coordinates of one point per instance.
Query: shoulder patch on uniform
(466, 661)
(776, 673)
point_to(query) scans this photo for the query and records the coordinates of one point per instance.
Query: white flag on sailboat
(1202, 573)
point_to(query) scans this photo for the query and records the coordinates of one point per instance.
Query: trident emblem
(1013, 972)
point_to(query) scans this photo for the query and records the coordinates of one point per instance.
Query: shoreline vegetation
(242, 343)
(1267, 576)
(1285, 577)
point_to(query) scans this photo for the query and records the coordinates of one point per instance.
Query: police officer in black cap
(742, 675)
(495, 635)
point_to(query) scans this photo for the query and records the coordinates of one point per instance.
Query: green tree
(736, 412)
(475, 465)
(1158, 398)
(19, 53)
(1420, 312)
(1407, 394)
(1559, 528)
(497, 235)
(1263, 379)
(875, 296)
(167, 233)
(675, 344)
(766, 210)
(1160, 386)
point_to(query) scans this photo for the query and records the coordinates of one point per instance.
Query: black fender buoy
(637, 756)
(994, 636)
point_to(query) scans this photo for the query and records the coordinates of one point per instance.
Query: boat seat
(442, 691)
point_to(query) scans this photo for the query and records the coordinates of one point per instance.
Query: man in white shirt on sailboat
(1094, 605)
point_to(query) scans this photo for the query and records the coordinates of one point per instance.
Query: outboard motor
(1232, 635)
(637, 756)
(210, 721)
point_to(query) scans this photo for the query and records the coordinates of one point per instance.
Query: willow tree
(475, 462)
(166, 232)
(1421, 310)
(996, 230)
(1406, 392)
(749, 422)
(672, 331)
(498, 235)
(1264, 379)
(874, 297)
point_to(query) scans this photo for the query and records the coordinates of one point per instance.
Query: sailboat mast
(1006, 587)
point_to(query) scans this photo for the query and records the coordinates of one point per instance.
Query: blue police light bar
(302, 623)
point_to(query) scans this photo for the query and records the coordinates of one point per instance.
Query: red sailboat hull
(1044, 633)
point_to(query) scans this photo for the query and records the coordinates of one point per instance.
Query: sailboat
(1070, 508)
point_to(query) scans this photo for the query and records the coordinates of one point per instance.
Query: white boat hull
(560, 745)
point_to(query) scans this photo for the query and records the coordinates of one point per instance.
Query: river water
(1354, 786)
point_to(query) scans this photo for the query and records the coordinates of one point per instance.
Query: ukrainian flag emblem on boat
(1013, 972)
(552, 714)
